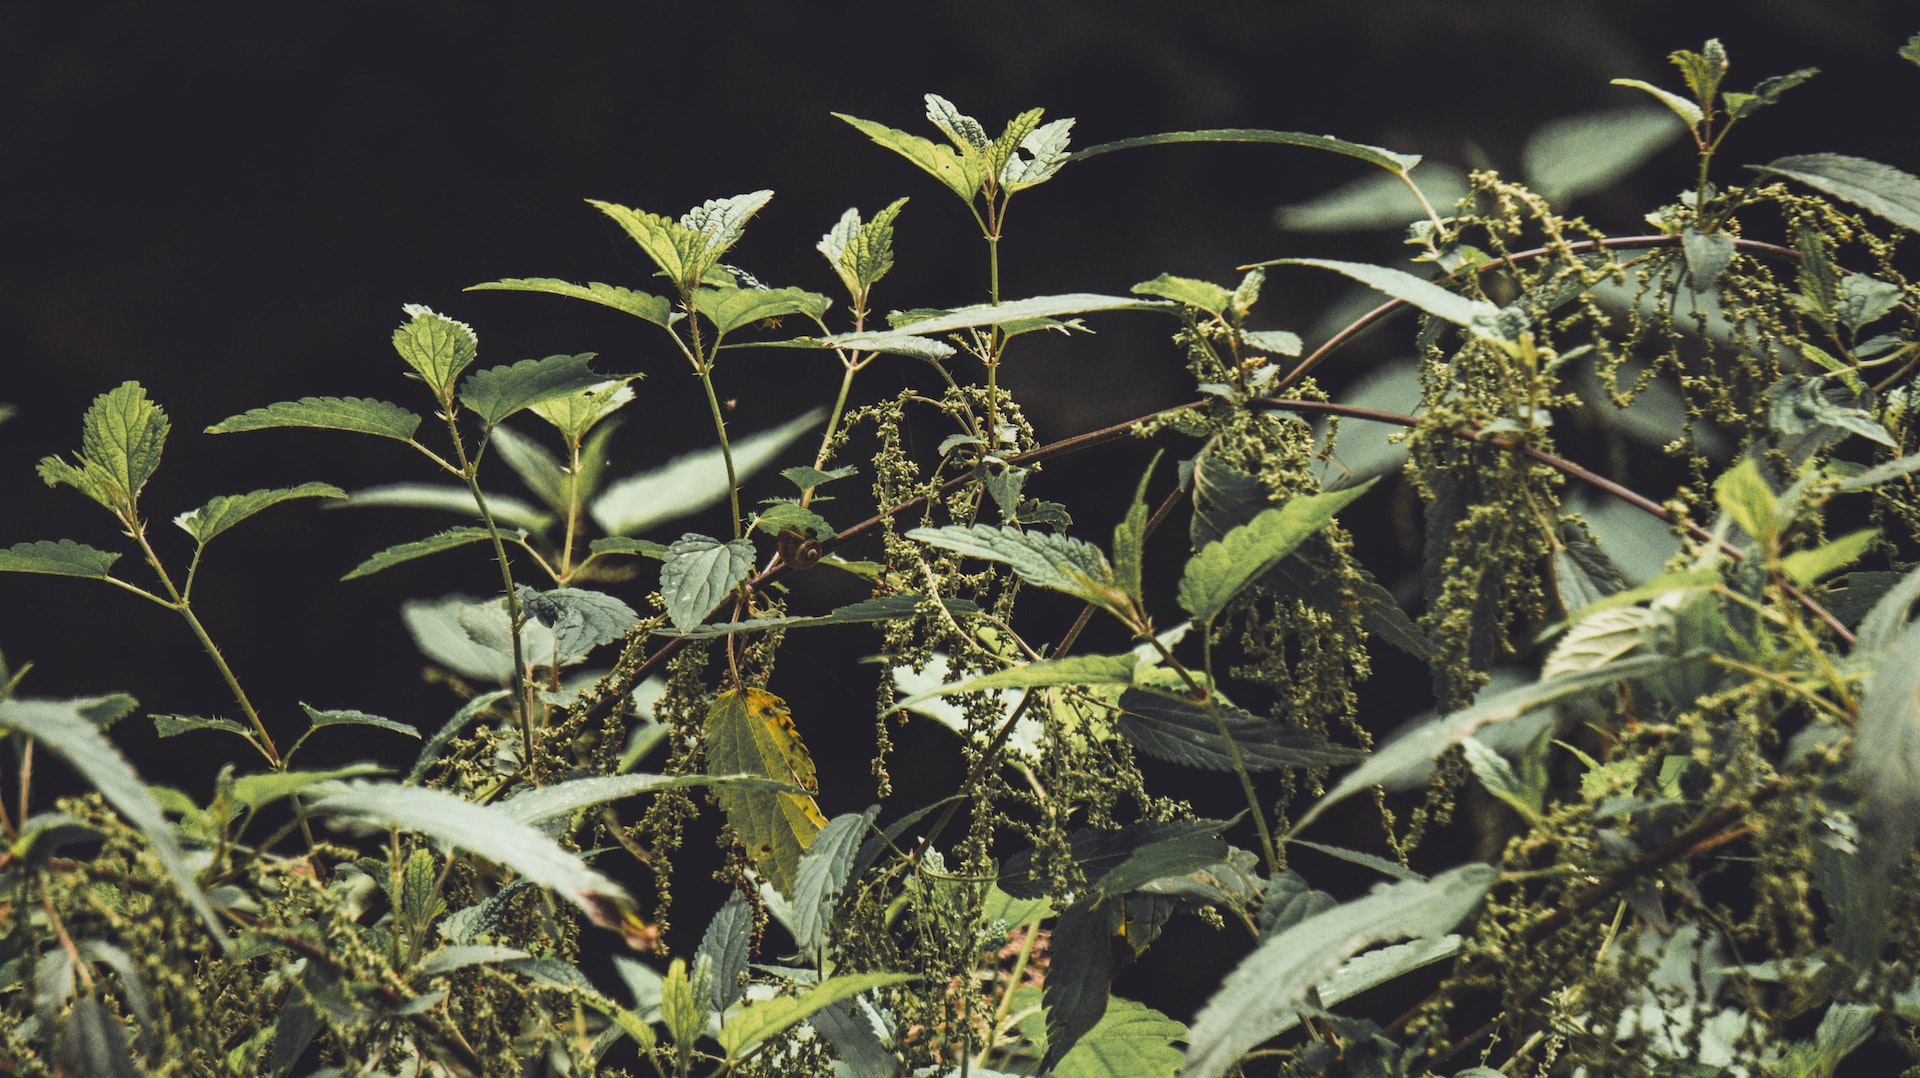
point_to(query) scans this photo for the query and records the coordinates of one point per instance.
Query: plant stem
(471, 473)
(1270, 851)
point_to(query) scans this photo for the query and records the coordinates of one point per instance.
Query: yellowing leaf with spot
(749, 732)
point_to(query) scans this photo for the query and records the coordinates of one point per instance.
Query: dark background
(231, 204)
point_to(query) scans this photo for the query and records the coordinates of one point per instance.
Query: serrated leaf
(1409, 754)
(1865, 300)
(436, 347)
(938, 161)
(57, 557)
(1187, 291)
(1178, 730)
(420, 548)
(259, 791)
(1057, 562)
(226, 510)
(656, 309)
(175, 725)
(1078, 972)
(573, 415)
(64, 730)
(507, 511)
(1129, 537)
(1886, 757)
(861, 254)
(719, 222)
(461, 956)
(1911, 50)
(1688, 112)
(1278, 341)
(691, 482)
(1396, 163)
(965, 131)
(1881, 189)
(1046, 150)
(1391, 869)
(1803, 567)
(866, 611)
(1270, 984)
(1497, 776)
(730, 308)
(1072, 670)
(498, 392)
(1577, 155)
(1221, 569)
(122, 436)
(581, 619)
(1708, 255)
(1375, 968)
(725, 944)
(360, 415)
(491, 834)
(621, 545)
(539, 469)
(698, 573)
(1600, 636)
(777, 516)
(1743, 494)
(1118, 861)
(822, 875)
(437, 744)
(671, 247)
(748, 731)
(808, 478)
(757, 1022)
(542, 803)
(348, 717)
(1131, 1040)
(994, 314)
(1475, 314)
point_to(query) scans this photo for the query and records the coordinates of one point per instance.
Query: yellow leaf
(750, 732)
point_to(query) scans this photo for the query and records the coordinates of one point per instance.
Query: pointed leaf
(1131, 1040)
(543, 803)
(1118, 861)
(725, 945)
(1046, 147)
(1272, 982)
(808, 478)
(436, 347)
(719, 222)
(420, 548)
(448, 959)
(1078, 973)
(1803, 567)
(1044, 560)
(491, 834)
(507, 511)
(1396, 163)
(124, 433)
(226, 510)
(175, 725)
(692, 482)
(621, 545)
(1375, 200)
(1688, 112)
(1072, 670)
(698, 573)
(60, 726)
(437, 744)
(62, 557)
(1204, 295)
(961, 177)
(1577, 155)
(823, 875)
(1178, 730)
(1418, 291)
(759, 1021)
(1129, 538)
(666, 242)
(1886, 757)
(498, 392)
(581, 619)
(349, 717)
(1883, 189)
(360, 415)
(861, 254)
(866, 611)
(1223, 568)
(656, 309)
(259, 791)
(730, 308)
(995, 314)
(750, 732)
(539, 469)
(1375, 968)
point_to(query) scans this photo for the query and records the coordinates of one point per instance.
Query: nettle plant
(1699, 775)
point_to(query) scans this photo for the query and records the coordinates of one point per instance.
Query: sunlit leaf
(692, 482)
(360, 415)
(656, 309)
(1221, 569)
(261, 790)
(1882, 189)
(1396, 163)
(698, 573)
(995, 314)
(1045, 560)
(543, 803)
(1803, 567)
(861, 254)
(748, 731)
(349, 717)
(1072, 670)
(1131, 1040)
(1688, 112)
(1045, 148)
(226, 510)
(498, 392)
(777, 516)
(1079, 969)
(175, 725)
(1187, 291)
(122, 436)
(436, 347)
(962, 177)
(731, 308)
(62, 557)
(420, 548)
(757, 1022)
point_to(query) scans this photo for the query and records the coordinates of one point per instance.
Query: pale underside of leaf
(692, 482)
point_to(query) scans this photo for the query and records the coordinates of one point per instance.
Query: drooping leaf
(757, 1022)
(1072, 670)
(60, 726)
(543, 803)
(348, 717)
(1375, 200)
(491, 834)
(436, 347)
(62, 557)
(1577, 155)
(698, 573)
(508, 512)
(1187, 291)
(226, 510)
(1396, 163)
(996, 314)
(1497, 776)
(175, 725)
(725, 944)
(807, 478)
(261, 790)
(731, 308)
(1056, 562)
(1115, 862)
(1688, 112)
(1178, 730)
(1452, 307)
(1222, 569)
(823, 875)
(1864, 300)
(656, 309)
(866, 611)
(1708, 255)
(1886, 757)
(961, 176)
(539, 469)
(1582, 572)
(1409, 754)
(1375, 968)
(1807, 414)
(1882, 189)
(420, 548)
(498, 392)
(360, 415)
(92, 1041)
(1078, 972)
(1268, 986)
(749, 731)
(691, 482)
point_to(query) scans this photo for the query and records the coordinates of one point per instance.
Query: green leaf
(1375, 968)
(1131, 1040)
(64, 730)
(507, 512)
(498, 392)
(730, 308)
(749, 731)
(1578, 155)
(822, 875)
(1497, 777)
(994, 314)
(1187, 291)
(437, 744)
(671, 247)
(1688, 112)
(542, 803)
(175, 725)
(360, 415)
(581, 619)
(1708, 255)
(1392, 765)
(719, 222)
(1129, 537)
(420, 548)
(1079, 970)
(866, 611)
(1223, 568)
(757, 1022)
(491, 834)
(808, 478)
(436, 347)
(656, 309)
(1743, 494)
(692, 482)
(698, 573)
(539, 469)
(1046, 151)
(961, 176)
(1072, 670)
(348, 717)
(1803, 567)
(1766, 92)
(1118, 861)
(1911, 50)
(226, 510)
(1396, 163)
(259, 791)
(1449, 306)
(576, 414)
(1044, 560)
(448, 959)
(1278, 341)
(778, 516)
(1886, 756)
(122, 436)
(1178, 730)
(62, 557)
(621, 545)
(1864, 300)
(1375, 200)
(861, 254)
(1882, 189)
(725, 945)
(1264, 991)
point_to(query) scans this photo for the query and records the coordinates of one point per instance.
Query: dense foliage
(1688, 743)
